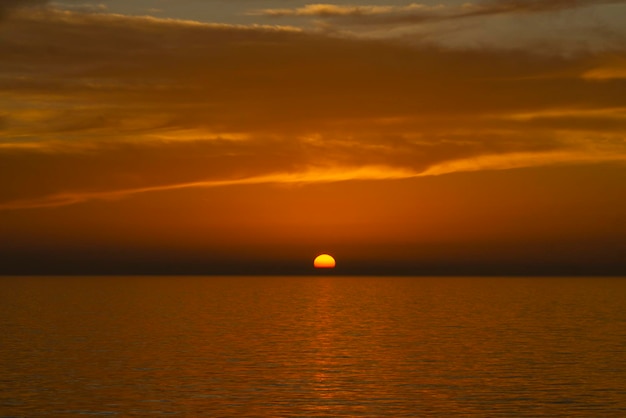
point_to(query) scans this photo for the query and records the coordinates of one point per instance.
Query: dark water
(312, 346)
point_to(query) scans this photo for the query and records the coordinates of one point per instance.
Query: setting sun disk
(324, 261)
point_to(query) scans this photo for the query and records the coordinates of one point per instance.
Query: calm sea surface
(312, 346)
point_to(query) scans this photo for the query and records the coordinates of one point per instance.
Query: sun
(324, 261)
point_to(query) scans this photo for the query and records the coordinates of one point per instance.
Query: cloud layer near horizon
(104, 106)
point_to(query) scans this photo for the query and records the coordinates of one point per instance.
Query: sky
(248, 136)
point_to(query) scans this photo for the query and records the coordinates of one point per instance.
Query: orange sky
(399, 137)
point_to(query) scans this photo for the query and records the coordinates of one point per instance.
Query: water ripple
(312, 347)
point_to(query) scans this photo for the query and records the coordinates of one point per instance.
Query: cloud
(520, 160)
(100, 106)
(566, 25)
(417, 13)
(331, 10)
(527, 6)
(613, 69)
(47, 177)
(8, 6)
(336, 174)
(561, 25)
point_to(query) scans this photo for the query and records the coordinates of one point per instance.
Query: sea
(315, 346)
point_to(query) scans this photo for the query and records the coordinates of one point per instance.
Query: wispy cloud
(332, 10)
(303, 177)
(101, 106)
(416, 12)
(613, 69)
(534, 25)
